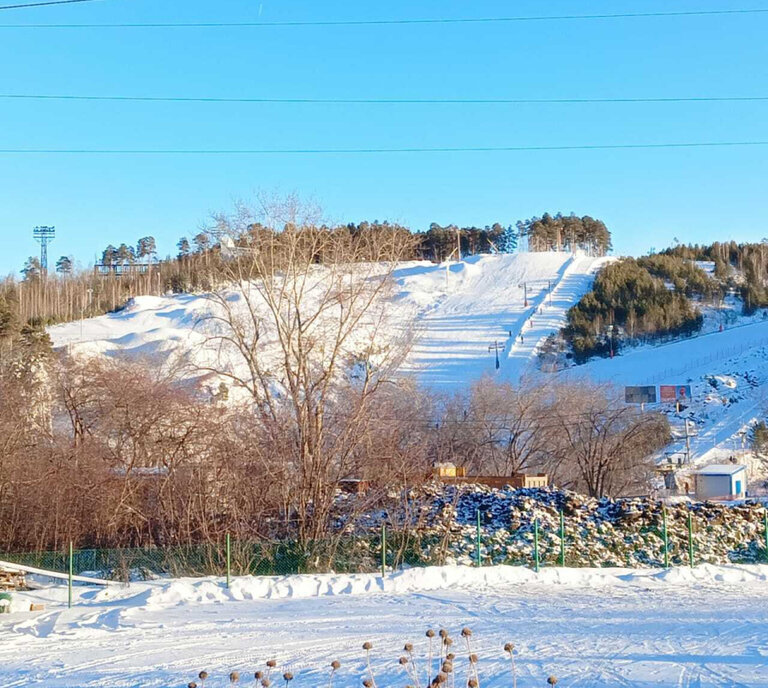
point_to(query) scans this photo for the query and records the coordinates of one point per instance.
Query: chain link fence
(549, 541)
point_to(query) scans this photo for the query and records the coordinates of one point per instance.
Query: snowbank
(434, 578)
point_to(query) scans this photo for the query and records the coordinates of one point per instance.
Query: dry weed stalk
(510, 649)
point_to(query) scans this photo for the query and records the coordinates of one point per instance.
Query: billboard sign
(672, 393)
(640, 395)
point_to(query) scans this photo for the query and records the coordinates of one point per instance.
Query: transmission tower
(44, 236)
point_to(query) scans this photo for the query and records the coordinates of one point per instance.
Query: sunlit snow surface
(456, 311)
(588, 627)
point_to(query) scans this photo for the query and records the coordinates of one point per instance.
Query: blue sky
(647, 197)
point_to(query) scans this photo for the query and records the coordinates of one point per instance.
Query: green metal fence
(542, 542)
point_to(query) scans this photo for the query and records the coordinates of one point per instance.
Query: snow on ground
(588, 627)
(459, 309)
(482, 303)
(726, 370)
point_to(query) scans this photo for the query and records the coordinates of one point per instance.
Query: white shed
(721, 481)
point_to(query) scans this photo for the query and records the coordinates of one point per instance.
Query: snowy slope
(726, 370)
(459, 310)
(588, 627)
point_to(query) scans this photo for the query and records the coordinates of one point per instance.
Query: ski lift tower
(44, 236)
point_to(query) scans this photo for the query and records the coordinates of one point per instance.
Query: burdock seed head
(473, 658)
(288, 676)
(509, 647)
(367, 683)
(447, 667)
(367, 646)
(408, 647)
(466, 632)
(450, 656)
(335, 664)
(271, 663)
(258, 675)
(234, 677)
(202, 675)
(430, 633)
(443, 633)
(472, 683)
(447, 641)
(442, 677)
(191, 684)
(552, 680)
(266, 683)
(403, 660)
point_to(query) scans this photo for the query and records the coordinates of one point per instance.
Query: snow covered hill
(459, 309)
(462, 310)
(481, 302)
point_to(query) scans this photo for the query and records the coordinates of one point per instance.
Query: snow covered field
(589, 627)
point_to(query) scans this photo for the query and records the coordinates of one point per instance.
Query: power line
(384, 101)
(387, 22)
(363, 151)
(43, 4)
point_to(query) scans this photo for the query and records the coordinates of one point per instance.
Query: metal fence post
(383, 549)
(229, 561)
(690, 539)
(477, 542)
(69, 578)
(665, 534)
(765, 532)
(536, 545)
(562, 538)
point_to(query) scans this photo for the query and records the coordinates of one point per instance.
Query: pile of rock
(598, 532)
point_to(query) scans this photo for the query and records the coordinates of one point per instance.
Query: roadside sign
(640, 395)
(673, 393)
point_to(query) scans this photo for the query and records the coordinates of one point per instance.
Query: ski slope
(484, 305)
(457, 311)
(588, 627)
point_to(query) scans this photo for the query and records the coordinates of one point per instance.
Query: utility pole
(495, 347)
(687, 443)
(524, 285)
(458, 243)
(549, 287)
(44, 236)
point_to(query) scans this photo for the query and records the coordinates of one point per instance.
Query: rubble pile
(598, 532)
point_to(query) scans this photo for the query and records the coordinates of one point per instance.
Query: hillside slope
(480, 303)
(459, 310)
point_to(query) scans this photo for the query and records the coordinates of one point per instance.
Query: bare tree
(303, 327)
(501, 428)
(601, 445)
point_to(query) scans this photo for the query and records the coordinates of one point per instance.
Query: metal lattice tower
(44, 236)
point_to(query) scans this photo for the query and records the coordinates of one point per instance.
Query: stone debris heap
(598, 532)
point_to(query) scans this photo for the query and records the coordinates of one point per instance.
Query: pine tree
(64, 265)
(32, 269)
(184, 247)
(509, 238)
(146, 248)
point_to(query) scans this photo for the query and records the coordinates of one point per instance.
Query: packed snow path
(588, 627)
(484, 305)
(550, 315)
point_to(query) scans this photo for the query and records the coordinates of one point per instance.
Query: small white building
(721, 481)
